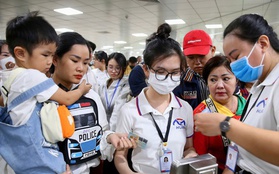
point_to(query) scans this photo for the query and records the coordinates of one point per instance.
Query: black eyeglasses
(162, 74)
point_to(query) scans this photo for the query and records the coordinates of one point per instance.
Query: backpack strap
(7, 85)
(95, 107)
(25, 95)
(31, 93)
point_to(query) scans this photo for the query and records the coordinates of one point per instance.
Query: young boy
(32, 42)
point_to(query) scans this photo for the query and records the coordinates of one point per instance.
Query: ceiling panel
(105, 21)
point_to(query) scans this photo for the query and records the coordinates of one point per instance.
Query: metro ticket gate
(202, 164)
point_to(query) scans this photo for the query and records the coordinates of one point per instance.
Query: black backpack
(84, 144)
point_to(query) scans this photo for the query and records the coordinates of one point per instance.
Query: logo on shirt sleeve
(179, 123)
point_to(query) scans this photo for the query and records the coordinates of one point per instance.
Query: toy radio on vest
(84, 144)
(202, 164)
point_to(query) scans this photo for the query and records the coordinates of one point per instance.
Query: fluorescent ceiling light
(139, 34)
(107, 47)
(128, 47)
(142, 43)
(62, 30)
(214, 26)
(68, 11)
(120, 42)
(175, 21)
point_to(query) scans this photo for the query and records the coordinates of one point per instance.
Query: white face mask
(163, 87)
(6, 60)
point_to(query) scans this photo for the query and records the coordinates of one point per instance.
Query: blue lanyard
(106, 94)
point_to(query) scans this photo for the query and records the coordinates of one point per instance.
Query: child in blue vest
(32, 42)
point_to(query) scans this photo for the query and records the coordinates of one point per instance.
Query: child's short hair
(29, 31)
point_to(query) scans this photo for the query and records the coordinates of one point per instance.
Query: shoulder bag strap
(211, 106)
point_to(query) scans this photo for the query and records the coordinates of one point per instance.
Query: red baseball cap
(196, 42)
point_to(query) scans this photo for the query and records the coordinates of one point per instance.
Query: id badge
(141, 142)
(232, 157)
(166, 160)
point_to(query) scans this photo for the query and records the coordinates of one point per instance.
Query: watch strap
(226, 120)
(226, 141)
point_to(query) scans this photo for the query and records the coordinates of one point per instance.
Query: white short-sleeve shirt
(264, 115)
(24, 81)
(101, 76)
(113, 98)
(135, 117)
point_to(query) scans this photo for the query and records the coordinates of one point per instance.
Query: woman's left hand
(191, 154)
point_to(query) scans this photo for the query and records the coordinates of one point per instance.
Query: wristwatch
(225, 126)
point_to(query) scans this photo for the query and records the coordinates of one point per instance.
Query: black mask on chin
(131, 66)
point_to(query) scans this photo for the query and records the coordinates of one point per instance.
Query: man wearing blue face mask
(198, 49)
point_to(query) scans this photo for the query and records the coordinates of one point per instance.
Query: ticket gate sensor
(202, 164)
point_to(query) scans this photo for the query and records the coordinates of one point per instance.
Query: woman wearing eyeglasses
(113, 95)
(157, 119)
(116, 89)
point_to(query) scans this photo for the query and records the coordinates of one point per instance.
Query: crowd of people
(139, 115)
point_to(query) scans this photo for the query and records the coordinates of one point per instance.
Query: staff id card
(232, 156)
(166, 160)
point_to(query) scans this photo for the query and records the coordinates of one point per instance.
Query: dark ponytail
(159, 46)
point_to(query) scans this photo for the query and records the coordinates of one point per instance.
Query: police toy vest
(84, 144)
